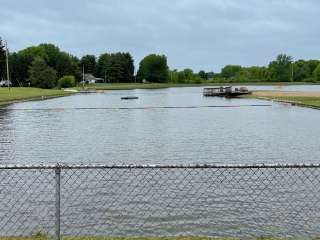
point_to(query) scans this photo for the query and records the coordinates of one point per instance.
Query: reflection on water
(246, 135)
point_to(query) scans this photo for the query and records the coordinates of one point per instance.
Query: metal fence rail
(108, 201)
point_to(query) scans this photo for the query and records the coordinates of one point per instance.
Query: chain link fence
(136, 201)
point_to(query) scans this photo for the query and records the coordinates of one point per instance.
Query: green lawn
(19, 94)
(305, 99)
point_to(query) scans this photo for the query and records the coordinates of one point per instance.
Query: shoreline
(32, 99)
(16, 95)
(134, 86)
(299, 98)
(295, 98)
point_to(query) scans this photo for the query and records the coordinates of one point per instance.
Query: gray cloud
(199, 34)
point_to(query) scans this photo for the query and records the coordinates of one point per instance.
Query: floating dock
(91, 91)
(225, 92)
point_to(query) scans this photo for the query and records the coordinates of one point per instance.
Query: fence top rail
(222, 166)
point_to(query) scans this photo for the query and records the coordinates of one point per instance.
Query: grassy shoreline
(298, 98)
(28, 94)
(132, 86)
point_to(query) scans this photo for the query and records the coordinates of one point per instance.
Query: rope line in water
(135, 108)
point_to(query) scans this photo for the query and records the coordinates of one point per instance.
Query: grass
(130, 86)
(20, 94)
(305, 99)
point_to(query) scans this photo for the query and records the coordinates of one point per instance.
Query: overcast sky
(198, 34)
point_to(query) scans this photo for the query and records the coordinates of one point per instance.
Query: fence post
(57, 202)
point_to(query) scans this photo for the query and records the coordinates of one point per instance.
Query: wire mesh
(27, 200)
(137, 201)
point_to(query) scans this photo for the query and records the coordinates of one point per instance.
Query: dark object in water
(129, 98)
(225, 92)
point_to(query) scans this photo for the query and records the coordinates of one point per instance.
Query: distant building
(89, 78)
(5, 83)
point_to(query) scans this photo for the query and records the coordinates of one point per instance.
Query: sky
(197, 34)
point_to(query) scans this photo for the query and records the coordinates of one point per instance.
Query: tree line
(47, 66)
(282, 69)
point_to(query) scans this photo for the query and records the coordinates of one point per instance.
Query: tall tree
(312, 64)
(116, 67)
(316, 73)
(17, 70)
(203, 75)
(41, 75)
(88, 62)
(154, 68)
(210, 75)
(230, 71)
(62, 62)
(301, 71)
(281, 68)
(189, 75)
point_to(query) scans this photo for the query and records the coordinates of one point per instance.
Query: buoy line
(134, 108)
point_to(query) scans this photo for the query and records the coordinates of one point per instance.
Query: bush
(67, 82)
(197, 80)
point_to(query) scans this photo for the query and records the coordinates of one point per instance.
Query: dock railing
(135, 201)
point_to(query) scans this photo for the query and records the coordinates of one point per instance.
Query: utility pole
(83, 76)
(7, 65)
(292, 62)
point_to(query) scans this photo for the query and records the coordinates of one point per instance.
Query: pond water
(91, 129)
(103, 129)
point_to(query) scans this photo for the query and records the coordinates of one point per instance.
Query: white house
(89, 78)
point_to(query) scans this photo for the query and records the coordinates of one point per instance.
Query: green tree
(230, 71)
(210, 75)
(203, 75)
(312, 64)
(154, 68)
(62, 62)
(189, 75)
(182, 77)
(301, 71)
(197, 79)
(41, 75)
(17, 70)
(281, 68)
(316, 73)
(66, 82)
(173, 76)
(88, 62)
(116, 67)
